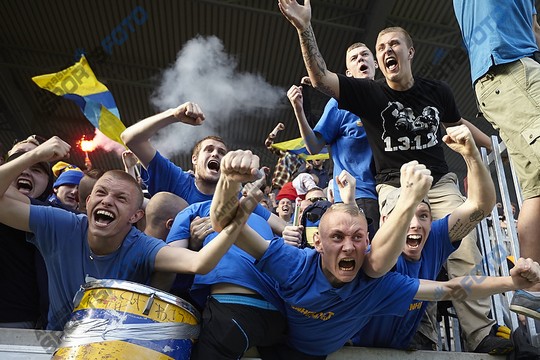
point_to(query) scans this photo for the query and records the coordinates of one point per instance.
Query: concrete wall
(37, 344)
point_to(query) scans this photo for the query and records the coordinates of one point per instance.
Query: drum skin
(115, 319)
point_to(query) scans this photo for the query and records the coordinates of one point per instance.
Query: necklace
(94, 255)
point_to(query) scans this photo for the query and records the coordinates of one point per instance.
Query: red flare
(87, 145)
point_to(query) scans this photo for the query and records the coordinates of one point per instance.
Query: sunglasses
(314, 199)
(313, 217)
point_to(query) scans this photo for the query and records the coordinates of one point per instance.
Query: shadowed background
(236, 58)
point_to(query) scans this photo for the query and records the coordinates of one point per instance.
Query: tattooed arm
(481, 191)
(300, 16)
(525, 274)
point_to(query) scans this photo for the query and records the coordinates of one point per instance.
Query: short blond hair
(350, 209)
(198, 145)
(354, 46)
(124, 176)
(398, 29)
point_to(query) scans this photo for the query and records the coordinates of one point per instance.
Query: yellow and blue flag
(298, 147)
(79, 84)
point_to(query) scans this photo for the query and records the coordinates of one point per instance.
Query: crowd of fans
(345, 251)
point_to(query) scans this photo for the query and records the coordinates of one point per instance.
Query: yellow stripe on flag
(78, 79)
(110, 125)
(79, 84)
(298, 147)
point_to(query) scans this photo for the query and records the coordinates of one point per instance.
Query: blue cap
(69, 177)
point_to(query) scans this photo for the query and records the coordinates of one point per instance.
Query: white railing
(497, 244)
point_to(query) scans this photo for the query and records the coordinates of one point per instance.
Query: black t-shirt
(23, 276)
(401, 126)
(20, 299)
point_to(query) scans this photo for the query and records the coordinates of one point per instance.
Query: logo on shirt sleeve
(416, 305)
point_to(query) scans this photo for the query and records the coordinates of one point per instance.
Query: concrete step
(356, 353)
(40, 344)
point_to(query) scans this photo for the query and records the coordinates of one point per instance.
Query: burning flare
(87, 146)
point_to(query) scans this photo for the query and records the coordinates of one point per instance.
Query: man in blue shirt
(328, 288)
(429, 244)
(241, 306)
(403, 116)
(103, 245)
(344, 132)
(163, 175)
(502, 38)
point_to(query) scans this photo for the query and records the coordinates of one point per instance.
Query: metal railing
(497, 244)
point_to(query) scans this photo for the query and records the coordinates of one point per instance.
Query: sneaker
(494, 345)
(526, 304)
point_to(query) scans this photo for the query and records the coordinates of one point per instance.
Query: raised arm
(15, 210)
(137, 136)
(314, 141)
(525, 274)
(388, 243)
(236, 167)
(270, 139)
(347, 187)
(300, 16)
(481, 191)
(480, 138)
(130, 162)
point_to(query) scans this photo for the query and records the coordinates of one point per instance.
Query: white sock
(534, 293)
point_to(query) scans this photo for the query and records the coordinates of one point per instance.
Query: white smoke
(205, 74)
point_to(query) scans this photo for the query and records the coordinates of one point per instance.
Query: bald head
(342, 241)
(350, 209)
(160, 213)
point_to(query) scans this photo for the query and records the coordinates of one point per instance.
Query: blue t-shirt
(350, 150)
(397, 332)
(322, 318)
(495, 31)
(61, 237)
(163, 175)
(236, 267)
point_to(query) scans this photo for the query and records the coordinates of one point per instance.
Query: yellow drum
(116, 319)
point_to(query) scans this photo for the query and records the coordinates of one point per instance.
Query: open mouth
(104, 217)
(347, 264)
(363, 67)
(391, 63)
(413, 241)
(213, 165)
(24, 185)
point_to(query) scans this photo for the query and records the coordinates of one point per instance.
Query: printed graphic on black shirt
(404, 131)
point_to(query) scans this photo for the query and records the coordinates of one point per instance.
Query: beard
(207, 177)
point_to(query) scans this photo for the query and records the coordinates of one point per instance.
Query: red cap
(287, 191)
